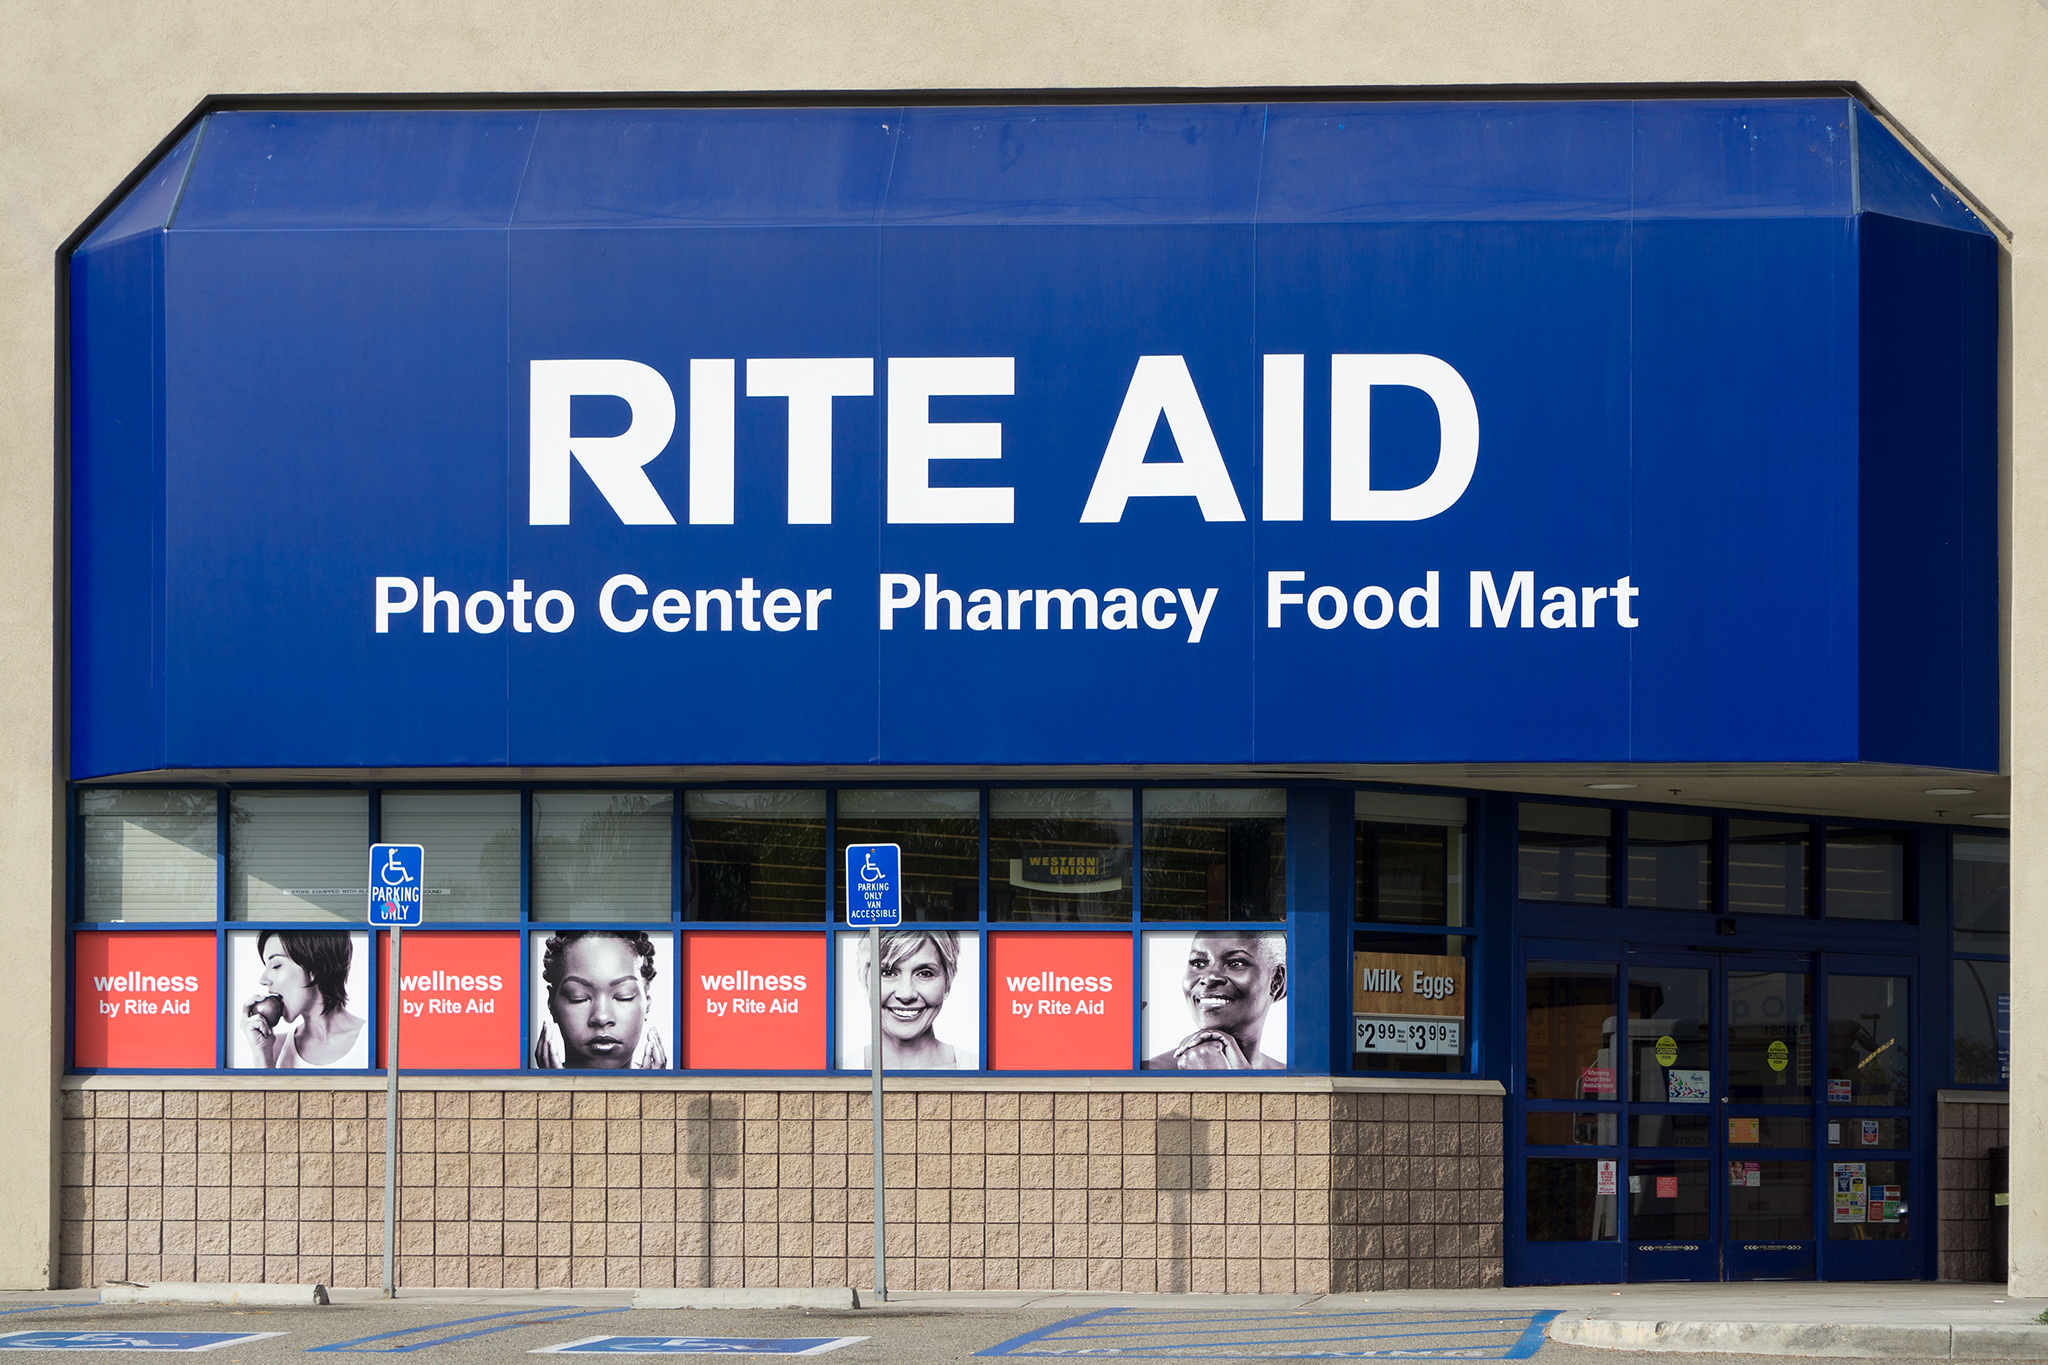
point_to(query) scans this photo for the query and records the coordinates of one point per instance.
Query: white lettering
(1521, 584)
(614, 463)
(1153, 620)
(1352, 496)
(810, 386)
(915, 440)
(387, 606)
(604, 603)
(1198, 616)
(711, 414)
(894, 601)
(1427, 592)
(1162, 387)
(1280, 498)
(1277, 596)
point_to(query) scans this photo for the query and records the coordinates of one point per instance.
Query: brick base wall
(1143, 1190)
(1969, 1130)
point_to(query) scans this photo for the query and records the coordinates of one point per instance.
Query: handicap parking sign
(874, 888)
(127, 1341)
(698, 1346)
(397, 885)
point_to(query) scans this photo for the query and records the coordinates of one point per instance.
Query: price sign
(1407, 1034)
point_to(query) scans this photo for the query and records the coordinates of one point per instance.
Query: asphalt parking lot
(456, 1332)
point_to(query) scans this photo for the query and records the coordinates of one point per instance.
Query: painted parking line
(362, 1345)
(698, 1346)
(127, 1341)
(1409, 1334)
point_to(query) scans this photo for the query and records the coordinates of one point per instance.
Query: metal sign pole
(391, 1014)
(875, 1055)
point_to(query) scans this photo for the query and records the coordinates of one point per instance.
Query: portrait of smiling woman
(930, 981)
(1210, 997)
(598, 1008)
(293, 989)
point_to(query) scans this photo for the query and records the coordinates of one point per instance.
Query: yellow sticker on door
(1667, 1050)
(1777, 1054)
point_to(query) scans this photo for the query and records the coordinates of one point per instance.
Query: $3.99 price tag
(1414, 1035)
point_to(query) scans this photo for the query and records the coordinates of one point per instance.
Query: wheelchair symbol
(392, 865)
(869, 872)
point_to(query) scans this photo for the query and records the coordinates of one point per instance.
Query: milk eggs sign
(1203, 434)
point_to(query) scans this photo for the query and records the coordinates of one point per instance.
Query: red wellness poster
(461, 998)
(144, 999)
(753, 1001)
(1059, 1002)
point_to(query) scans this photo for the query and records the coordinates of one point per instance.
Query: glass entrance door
(1692, 1115)
(1720, 1118)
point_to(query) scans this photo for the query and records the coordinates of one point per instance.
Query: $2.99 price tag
(1406, 1034)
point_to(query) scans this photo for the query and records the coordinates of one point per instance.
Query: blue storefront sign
(1657, 431)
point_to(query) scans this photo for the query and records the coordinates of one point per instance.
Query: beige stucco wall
(87, 89)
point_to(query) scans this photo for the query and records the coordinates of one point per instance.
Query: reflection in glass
(1867, 1201)
(1665, 1130)
(1558, 1128)
(1769, 1130)
(298, 855)
(1770, 1038)
(1670, 860)
(602, 855)
(1409, 859)
(1983, 995)
(147, 855)
(1669, 1015)
(1569, 1031)
(1876, 1133)
(1566, 853)
(1668, 1199)
(1564, 1203)
(940, 835)
(1868, 1040)
(472, 843)
(1769, 864)
(1866, 877)
(1770, 1200)
(1215, 854)
(1397, 1030)
(1982, 883)
(754, 856)
(1059, 854)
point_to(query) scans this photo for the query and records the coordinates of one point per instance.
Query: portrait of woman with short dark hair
(601, 1011)
(295, 987)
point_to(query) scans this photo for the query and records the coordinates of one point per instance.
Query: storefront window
(1410, 1003)
(1866, 876)
(473, 844)
(1982, 887)
(1668, 1200)
(298, 855)
(601, 856)
(1770, 1200)
(1670, 860)
(1567, 853)
(1571, 1199)
(1983, 1007)
(1670, 1034)
(1869, 1042)
(1059, 854)
(1868, 1201)
(1569, 1031)
(1769, 867)
(147, 855)
(1409, 859)
(1770, 1037)
(939, 833)
(754, 856)
(1215, 854)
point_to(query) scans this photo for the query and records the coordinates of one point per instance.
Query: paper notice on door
(1667, 1187)
(1682, 1086)
(1850, 1192)
(1744, 1131)
(1604, 1181)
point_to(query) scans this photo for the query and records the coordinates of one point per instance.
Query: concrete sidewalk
(1850, 1321)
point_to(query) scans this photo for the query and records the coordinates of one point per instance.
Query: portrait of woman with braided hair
(599, 1009)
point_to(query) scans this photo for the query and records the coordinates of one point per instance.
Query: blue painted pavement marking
(127, 1341)
(362, 1346)
(690, 1346)
(1304, 1334)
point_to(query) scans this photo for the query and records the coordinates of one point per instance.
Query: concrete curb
(745, 1298)
(235, 1295)
(1840, 1340)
